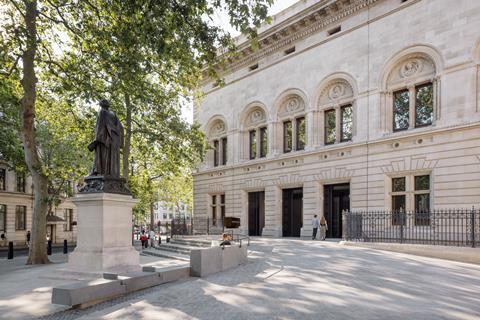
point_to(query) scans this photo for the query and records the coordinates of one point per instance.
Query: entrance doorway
(256, 213)
(336, 198)
(292, 212)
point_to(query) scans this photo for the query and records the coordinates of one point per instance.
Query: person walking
(323, 228)
(151, 235)
(143, 239)
(315, 225)
(28, 238)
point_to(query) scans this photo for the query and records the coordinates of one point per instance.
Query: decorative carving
(98, 184)
(409, 164)
(292, 105)
(217, 129)
(255, 117)
(410, 68)
(334, 90)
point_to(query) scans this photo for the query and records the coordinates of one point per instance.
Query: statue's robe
(108, 141)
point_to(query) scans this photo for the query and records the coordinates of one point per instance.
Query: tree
(145, 55)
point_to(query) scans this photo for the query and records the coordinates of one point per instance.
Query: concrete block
(174, 273)
(204, 262)
(110, 276)
(140, 280)
(87, 292)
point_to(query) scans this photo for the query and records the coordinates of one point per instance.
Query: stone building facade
(346, 105)
(16, 207)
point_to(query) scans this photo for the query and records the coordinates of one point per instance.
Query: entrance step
(191, 242)
(166, 254)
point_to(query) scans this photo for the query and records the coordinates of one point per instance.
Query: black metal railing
(197, 226)
(450, 227)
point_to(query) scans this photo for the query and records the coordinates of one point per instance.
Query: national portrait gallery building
(345, 105)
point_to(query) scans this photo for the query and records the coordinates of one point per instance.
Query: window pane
(422, 209)
(222, 212)
(300, 133)
(398, 210)
(398, 184)
(20, 182)
(287, 136)
(20, 216)
(263, 142)
(401, 106)
(214, 199)
(3, 177)
(424, 105)
(253, 144)
(422, 182)
(330, 125)
(222, 199)
(347, 122)
(224, 151)
(3, 217)
(215, 152)
(214, 216)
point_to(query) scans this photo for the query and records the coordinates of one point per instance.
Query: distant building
(345, 105)
(16, 208)
(165, 211)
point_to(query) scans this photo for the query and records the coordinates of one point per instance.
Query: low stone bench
(87, 293)
(206, 261)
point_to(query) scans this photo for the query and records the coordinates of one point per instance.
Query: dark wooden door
(336, 199)
(292, 215)
(256, 213)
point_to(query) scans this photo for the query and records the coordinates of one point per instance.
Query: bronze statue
(108, 142)
(105, 176)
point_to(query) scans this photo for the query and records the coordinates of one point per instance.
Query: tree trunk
(152, 217)
(38, 250)
(128, 137)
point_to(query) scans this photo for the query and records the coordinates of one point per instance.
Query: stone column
(104, 237)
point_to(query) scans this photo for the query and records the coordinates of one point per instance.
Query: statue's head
(104, 104)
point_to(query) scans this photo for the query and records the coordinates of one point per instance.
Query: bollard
(65, 247)
(49, 247)
(159, 240)
(168, 239)
(10, 250)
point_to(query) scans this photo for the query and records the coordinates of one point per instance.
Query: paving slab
(303, 279)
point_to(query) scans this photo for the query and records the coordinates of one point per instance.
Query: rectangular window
(330, 127)
(398, 210)
(346, 124)
(3, 179)
(214, 210)
(263, 142)
(20, 217)
(422, 200)
(253, 144)
(20, 182)
(401, 107)
(398, 185)
(222, 207)
(3, 217)
(424, 105)
(68, 217)
(300, 134)
(224, 151)
(287, 136)
(216, 150)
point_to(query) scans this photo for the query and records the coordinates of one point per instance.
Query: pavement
(284, 279)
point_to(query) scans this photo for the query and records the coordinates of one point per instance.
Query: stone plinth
(104, 240)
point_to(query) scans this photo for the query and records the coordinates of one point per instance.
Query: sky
(221, 19)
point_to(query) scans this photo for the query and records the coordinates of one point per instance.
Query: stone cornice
(299, 26)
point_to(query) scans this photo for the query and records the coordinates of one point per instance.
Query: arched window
(291, 115)
(255, 124)
(336, 104)
(217, 137)
(411, 89)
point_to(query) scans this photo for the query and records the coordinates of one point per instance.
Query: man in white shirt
(315, 225)
(151, 235)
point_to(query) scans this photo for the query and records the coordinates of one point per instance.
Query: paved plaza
(284, 279)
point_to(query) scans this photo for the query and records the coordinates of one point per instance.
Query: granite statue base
(104, 237)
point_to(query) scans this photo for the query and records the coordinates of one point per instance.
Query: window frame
(21, 182)
(325, 113)
(217, 206)
(252, 144)
(3, 210)
(285, 123)
(224, 143)
(394, 129)
(17, 227)
(3, 179)
(342, 108)
(417, 87)
(263, 144)
(298, 122)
